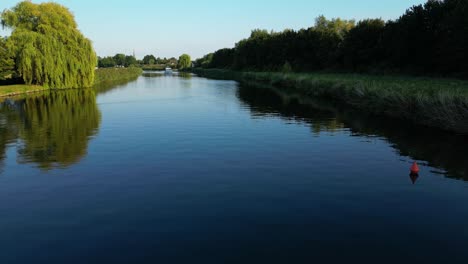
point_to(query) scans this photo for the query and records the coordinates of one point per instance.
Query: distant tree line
(152, 60)
(428, 39)
(119, 60)
(122, 60)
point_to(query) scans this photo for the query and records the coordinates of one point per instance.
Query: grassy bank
(109, 75)
(108, 78)
(154, 67)
(103, 77)
(441, 103)
(17, 89)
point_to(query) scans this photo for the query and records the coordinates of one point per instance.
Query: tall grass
(108, 78)
(441, 103)
(106, 75)
(154, 67)
(17, 89)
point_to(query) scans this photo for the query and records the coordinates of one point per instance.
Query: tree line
(152, 60)
(431, 39)
(122, 60)
(118, 60)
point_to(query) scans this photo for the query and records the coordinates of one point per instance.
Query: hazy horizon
(168, 29)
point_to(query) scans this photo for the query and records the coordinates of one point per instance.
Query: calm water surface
(181, 169)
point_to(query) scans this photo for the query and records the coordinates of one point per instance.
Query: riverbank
(440, 103)
(103, 77)
(154, 67)
(18, 89)
(109, 75)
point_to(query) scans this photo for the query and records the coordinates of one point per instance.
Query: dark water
(181, 169)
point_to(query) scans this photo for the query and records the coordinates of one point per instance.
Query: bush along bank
(440, 103)
(109, 78)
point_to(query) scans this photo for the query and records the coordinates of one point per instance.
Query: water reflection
(414, 177)
(105, 87)
(442, 150)
(154, 74)
(51, 129)
(183, 79)
(8, 130)
(185, 75)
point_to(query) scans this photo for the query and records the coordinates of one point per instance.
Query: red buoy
(415, 168)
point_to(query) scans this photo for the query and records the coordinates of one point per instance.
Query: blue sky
(170, 28)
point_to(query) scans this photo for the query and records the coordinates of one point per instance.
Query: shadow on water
(106, 87)
(50, 129)
(441, 150)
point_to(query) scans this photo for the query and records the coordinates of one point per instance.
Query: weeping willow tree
(7, 64)
(48, 47)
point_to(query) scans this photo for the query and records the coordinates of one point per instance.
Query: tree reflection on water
(440, 149)
(51, 129)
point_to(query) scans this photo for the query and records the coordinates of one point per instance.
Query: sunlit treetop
(35, 17)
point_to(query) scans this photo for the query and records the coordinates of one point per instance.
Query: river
(182, 169)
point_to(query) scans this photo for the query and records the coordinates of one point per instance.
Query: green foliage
(130, 61)
(307, 49)
(110, 75)
(108, 79)
(119, 59)
(106, 62)
(154, 67)
(149, 60)
(205, 62)
(48, 47)
(161, 60)
(222, 58)
(7, 63)
(361, 47)
(105, 78)
(18, 89)
(185, 61)
(428, 39)
(336, 26)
